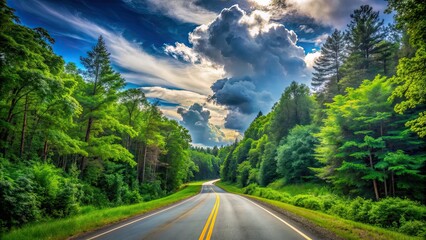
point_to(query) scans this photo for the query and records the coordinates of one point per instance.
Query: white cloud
(186, 99)
(310, 59)
(182, 10)
(331, 12)
(306, 29)
(318, 40)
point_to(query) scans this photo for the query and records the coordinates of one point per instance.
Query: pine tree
(364, 35)
(98, 96)
(327, 67)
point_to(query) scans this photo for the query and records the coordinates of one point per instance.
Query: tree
(98, 97)
(268, 167)
(364, 35)
(327, 72)
(294, 107)
(296, 155)
(360, 129)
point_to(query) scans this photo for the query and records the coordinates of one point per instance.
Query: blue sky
(212, 64)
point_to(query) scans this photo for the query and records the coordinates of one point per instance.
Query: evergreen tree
(327, 67)
(364, 35)
(98, 96)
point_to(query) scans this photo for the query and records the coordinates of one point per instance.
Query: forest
(72, 137)
(360, 132)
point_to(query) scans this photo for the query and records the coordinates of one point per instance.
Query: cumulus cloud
(310, 59)
(182, 10)
(259, 58)
(196, 120)
(213, 127)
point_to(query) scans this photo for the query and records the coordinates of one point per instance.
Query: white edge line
(286, 223)
(140, 219)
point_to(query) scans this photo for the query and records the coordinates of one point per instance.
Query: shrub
(307, 201)
(387, 212)
(414, 228)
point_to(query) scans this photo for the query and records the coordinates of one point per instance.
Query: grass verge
(67, 227)
(343, 228)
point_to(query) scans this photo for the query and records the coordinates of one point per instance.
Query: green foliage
(207, 165)
(296, 155)
(293, 108)
(356, 143)
(71, 137)
(32, 191)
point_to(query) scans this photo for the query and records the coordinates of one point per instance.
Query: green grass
(91, 219)
(341, 227)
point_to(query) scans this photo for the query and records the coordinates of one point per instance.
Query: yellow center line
(211, 219)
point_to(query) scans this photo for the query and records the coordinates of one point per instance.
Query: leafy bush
(414, 228)
(388, 211)
(308, 201)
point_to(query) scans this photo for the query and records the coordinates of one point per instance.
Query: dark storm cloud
(196, 120)
(260, 58)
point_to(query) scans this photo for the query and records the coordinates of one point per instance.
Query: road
(212, 214)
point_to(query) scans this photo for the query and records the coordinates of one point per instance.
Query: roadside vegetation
(90, 218)
(74, 140)
(344, 217)
(355, 146)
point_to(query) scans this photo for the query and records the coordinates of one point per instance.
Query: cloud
(182, 10)
(318, 40)
(139, 66)
(330, 12)
(310, 59)
(306, 29)
(259, 57)
(196, 120)
(185, 99)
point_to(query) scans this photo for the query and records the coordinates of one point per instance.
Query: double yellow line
(211, 220)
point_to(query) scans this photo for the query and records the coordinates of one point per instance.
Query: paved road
(212, 214)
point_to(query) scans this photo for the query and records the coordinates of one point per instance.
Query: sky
(211, 64)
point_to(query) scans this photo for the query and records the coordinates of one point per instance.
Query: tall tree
(98, 97)
(327, 67)
(364, 34)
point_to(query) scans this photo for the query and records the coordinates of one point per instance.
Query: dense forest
(72, 137)
(361, 130)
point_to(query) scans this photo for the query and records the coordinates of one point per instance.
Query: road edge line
(142, 218)
(285, 222)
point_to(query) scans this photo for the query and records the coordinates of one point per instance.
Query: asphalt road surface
(212, 214)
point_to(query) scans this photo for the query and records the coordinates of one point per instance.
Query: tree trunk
(376, 190)
(386, 187)
(144, 163)
(393, 184)
(45, 148)
(24, 127)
